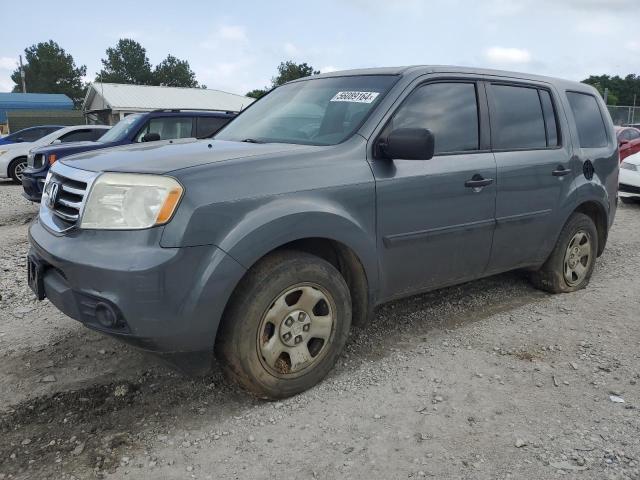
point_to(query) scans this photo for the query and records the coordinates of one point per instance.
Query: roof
(144, 98)
(32, 101)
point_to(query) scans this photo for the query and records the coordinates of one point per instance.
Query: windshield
(323, 111)
(120, 130)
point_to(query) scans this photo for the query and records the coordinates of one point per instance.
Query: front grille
(68, 195)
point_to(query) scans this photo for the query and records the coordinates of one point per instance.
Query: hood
(166, 156)
(633, 159)
(67, 147)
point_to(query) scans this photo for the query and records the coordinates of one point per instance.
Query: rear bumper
(169, 300)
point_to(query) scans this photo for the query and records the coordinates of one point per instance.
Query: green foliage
(287, 71)
(173, 72)
(49, 69)
(127, 62)
(621, 90)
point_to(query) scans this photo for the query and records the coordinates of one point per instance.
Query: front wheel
(571, 263)
(16, 167)
(286, 325)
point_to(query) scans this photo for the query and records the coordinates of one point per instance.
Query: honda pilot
(324, 199)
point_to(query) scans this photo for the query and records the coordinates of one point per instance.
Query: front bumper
(33, 183)
(170, 300)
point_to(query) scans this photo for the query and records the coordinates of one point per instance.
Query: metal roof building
(110, 102)
(32, 101)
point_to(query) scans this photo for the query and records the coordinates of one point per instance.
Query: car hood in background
(166, 156)
(633, 159)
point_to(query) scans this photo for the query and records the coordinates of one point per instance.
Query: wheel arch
(594, 210)
(12, 162)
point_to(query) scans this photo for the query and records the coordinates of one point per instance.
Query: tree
(49, 69)
(127, 62)
(287, 71)
(173, 72)
(621, 90)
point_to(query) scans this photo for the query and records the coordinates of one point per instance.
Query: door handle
(477, 181)
(561, 171)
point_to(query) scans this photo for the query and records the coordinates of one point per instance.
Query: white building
(108, 103)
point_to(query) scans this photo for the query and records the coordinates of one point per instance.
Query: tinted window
(517, 120)
(168, 128)
(449, 110)
(81, 135)
(33, 134)
(549, 118)
(207, 126)
(591, 130)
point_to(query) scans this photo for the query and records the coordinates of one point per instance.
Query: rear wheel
(16, 167)
(286, 325)
(570, 265)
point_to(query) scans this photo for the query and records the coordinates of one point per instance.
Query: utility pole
(633, 115)
(606, 95)
(24, 83)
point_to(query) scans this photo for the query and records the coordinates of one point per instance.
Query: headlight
(628, 166)
(127, 201)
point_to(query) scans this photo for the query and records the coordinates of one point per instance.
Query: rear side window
(591, 129)
(89, 134)
(517, 121)
(448, 110)
(168, 128)
(207, 126)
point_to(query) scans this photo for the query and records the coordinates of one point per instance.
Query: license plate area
(35, 270)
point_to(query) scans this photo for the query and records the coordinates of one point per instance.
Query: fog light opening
(106, 316)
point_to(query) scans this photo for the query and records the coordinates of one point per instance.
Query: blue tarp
(32, 101)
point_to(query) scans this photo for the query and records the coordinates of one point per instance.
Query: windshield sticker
(356, 97)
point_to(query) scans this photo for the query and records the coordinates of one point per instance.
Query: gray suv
(326, 198)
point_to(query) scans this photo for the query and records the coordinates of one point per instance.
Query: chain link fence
(624, 115)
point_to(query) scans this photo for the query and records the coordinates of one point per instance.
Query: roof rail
(177, 110)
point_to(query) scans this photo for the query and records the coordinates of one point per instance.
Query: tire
(562, 273)
(285, 326)
(15, 169)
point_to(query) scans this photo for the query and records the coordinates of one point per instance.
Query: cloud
(234, 33)
(328, 69)
(8, 63)
(291, 50)
(502, 55)
(633, 46)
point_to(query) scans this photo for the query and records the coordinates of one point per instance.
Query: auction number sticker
(356, 97)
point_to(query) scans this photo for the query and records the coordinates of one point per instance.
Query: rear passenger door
(434, 226)
(533, 161)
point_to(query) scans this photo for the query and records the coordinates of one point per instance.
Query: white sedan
(13, 156)
(629, 187)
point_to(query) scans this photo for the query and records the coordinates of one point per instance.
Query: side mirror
(151, 137)
(56, 141)
(408, 144)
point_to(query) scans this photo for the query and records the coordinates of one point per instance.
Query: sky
(236, 46)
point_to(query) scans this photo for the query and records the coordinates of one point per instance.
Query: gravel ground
(488, 380)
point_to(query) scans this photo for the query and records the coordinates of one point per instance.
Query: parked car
(30, 134)
(628, 141)
(135, 128)
(325, 198)
(13, 157)
(629, 187)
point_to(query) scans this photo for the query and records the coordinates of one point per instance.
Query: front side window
(448, 110)
(321, 111)
(168, 128)
(517, 120)
(208, 126)
(591, 129)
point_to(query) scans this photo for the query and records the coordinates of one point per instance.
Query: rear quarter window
(592, 132)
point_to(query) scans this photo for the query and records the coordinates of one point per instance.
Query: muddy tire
(285, 326)
(15, 169)
(571, 263)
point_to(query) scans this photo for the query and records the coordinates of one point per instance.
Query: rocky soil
(488, 380)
